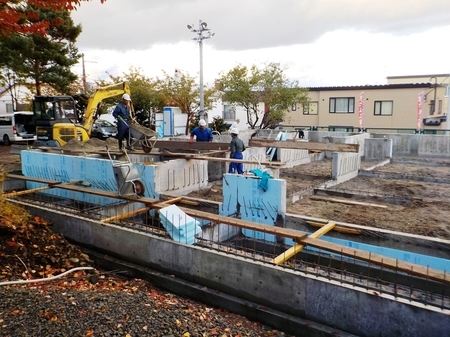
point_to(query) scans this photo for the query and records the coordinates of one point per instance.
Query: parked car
(17, 127)
(103, 129)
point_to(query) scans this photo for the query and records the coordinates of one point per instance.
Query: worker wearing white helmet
(122, 113)
(201, 132)
(236, 148)
(235, 124)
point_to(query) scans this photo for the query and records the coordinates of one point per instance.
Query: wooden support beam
(380, 260)
(167, 202)
(304, 145)
(286, 232)
(33, 190)
(296, 248)
(223, 160)
(347, 202)
(185, 145)
(336, 228)
(125, 215)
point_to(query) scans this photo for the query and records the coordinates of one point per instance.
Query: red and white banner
(419, 111)
(361, 110)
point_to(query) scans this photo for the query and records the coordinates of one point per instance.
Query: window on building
(383, 108)
(229, 112)
(342, 105)
(9, 107)
(440, 106)
(310, 108)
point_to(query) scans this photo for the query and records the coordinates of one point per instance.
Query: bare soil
(425, 209)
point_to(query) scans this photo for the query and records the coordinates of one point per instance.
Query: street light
(202, 27)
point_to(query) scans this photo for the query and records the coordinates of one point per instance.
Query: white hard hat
(234, 131)
(202, 122)
(126, 97)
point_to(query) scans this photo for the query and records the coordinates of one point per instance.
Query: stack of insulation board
(180, 226)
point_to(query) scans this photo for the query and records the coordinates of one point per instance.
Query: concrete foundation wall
(418, 144)
(345, 166)
(352, 309)
(293, 157)
(378, 148)
(180, 176)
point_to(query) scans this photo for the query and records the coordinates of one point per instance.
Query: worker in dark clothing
(202, 133)
(123, 116)
(236, 148)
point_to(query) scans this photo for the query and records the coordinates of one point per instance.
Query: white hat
(202, 122)
(126, 97)
(234, 131)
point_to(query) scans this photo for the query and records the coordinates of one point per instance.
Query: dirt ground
(425, 209)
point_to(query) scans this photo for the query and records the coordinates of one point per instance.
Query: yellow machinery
(58, 120)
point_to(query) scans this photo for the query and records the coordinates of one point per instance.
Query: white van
(17, 127)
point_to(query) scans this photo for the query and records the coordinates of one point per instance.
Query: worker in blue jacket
(123, 115)
(201, 132)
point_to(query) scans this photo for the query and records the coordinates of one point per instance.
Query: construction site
(332, 234)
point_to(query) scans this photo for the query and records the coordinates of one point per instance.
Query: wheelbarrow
(142, 135)
(127, 177)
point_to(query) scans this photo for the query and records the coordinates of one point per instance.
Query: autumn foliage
(18, 16)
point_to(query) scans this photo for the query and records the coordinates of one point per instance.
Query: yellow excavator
(59, 119)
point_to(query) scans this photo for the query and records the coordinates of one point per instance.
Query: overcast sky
(320, 42)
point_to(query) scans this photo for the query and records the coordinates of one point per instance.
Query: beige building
(394, 105)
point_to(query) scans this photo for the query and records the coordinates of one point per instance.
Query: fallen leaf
(89, 333)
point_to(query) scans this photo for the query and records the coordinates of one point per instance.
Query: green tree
(248, 87)
(147, 99)
(182, 91)
(44, 58)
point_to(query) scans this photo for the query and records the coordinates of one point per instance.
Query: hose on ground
(46, 279)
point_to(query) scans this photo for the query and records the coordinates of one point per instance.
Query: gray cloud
(248, 24)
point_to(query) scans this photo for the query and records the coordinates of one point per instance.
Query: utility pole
(84, 75)
(202, 27)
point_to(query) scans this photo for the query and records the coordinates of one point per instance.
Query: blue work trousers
(236, 167)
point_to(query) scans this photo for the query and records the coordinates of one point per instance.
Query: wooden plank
(304, 145)
(386, 262)
(126, 215)
(185, 145)
(347, 202)
(297, 248)
(336, 228)
(218, 159)
(286, 232)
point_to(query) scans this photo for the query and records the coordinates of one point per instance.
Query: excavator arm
(64, 120)
(91, 113)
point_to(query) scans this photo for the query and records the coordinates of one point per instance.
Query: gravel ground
(114, 307)
(94, 304)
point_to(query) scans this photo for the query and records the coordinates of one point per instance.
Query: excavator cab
(56, 119)
(60, 119)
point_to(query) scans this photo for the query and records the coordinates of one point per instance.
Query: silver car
(103, 129)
